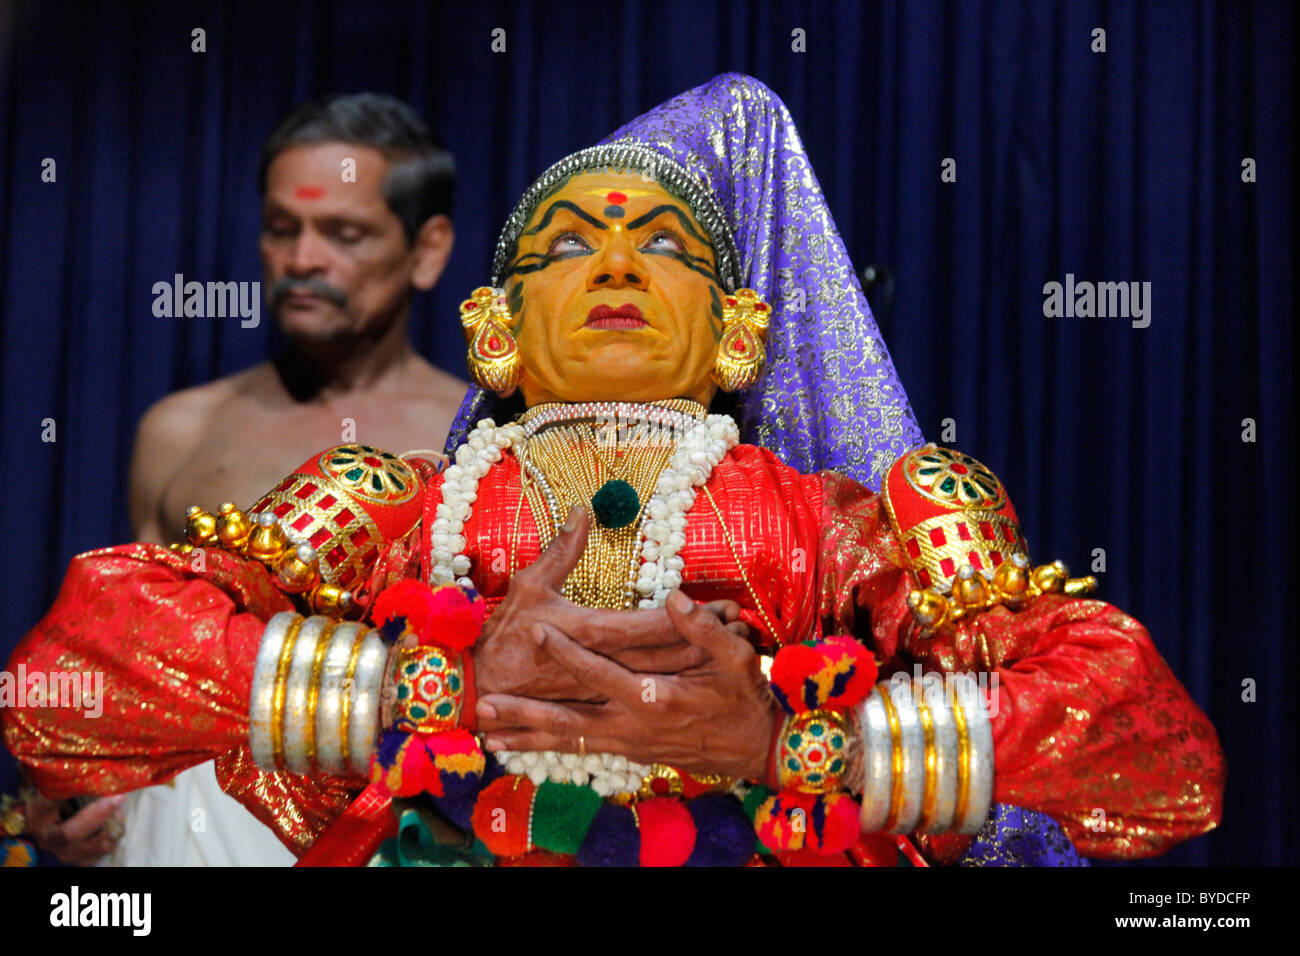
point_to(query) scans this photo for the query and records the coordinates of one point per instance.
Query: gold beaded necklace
(568, 461)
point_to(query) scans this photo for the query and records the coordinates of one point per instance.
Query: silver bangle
(314, 706)
(926, 768)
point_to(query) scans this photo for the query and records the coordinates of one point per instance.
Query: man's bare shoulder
(436, 384)
(184, 412)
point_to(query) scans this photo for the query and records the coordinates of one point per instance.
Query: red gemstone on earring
(468, 304)
(730, 301)
(494, 342)
(760, 306)
(742, 347)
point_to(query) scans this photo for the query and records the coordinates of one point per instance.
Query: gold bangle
(896, 748)
(931, 793)
(280, 691)
(963, 757)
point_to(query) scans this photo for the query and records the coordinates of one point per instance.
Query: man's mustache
(288, 285)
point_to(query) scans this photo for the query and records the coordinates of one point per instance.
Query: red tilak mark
(309, 192)
(616, 199)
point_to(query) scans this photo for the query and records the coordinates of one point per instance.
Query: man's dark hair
(422, 173)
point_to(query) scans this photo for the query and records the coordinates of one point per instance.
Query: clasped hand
(679, 685)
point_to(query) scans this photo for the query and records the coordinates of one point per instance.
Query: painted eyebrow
(659, 210)
(556, 207)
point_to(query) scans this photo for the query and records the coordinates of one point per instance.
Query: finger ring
(582, 746)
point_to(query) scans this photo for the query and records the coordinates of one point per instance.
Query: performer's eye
(349, 234)
(664, 241)
(567, 242)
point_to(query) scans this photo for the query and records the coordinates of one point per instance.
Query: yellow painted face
(615, 295)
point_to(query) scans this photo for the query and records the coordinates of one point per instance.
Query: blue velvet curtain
(1123, 165)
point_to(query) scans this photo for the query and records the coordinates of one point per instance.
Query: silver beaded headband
(633, 157)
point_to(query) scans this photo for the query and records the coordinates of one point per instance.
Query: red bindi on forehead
(615, 200)
(309, 192)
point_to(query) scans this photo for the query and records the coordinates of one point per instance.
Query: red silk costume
(1088, 714)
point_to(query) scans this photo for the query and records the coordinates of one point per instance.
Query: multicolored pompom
(824, 823)
(835, 672)
(448, 616)
(440, 764)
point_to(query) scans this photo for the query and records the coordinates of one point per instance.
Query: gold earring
(742, 351)
(494, 361)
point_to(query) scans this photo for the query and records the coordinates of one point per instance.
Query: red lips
(615, 317)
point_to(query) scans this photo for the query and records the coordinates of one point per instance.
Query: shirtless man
(342, 257)
(340, 264)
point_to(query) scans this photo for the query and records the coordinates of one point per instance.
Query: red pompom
(836, 672)
(865, 671)
(782, 821)
(444, 616)
(501, 815)
(792, 666)
(840, 828)
(667, 831)
(457, 618)
(408, 598)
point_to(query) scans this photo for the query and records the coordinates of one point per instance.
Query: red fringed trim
(354, 837)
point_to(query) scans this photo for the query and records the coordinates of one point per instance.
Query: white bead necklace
(663, 528)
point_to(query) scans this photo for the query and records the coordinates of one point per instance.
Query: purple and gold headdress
(829, 396)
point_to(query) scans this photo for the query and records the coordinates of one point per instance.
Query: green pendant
(616, 504)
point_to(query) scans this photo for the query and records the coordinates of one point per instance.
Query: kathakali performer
(649, 613)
